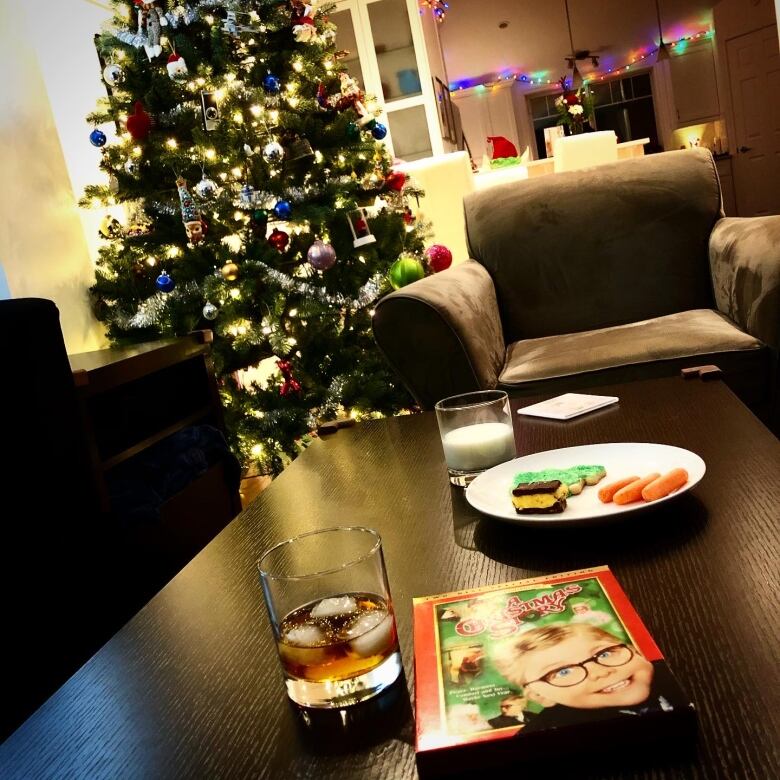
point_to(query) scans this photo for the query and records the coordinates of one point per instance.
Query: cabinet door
(502, 115)
(396, 57)
(694, 85)
(387, 45)
(345, 22)
(475, 121)
(484, 113)
(727, 187)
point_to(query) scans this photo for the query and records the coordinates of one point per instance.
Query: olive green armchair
(620, 272)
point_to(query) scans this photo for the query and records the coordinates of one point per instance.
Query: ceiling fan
(582, 54)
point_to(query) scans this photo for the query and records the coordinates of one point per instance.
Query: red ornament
(439, 257)
(139, 124)
(290, 384)
(395, 180)
(278, 239)
(409, 218)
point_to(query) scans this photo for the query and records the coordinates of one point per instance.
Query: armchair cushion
(597, 248)
(682, 335)
(745, 261)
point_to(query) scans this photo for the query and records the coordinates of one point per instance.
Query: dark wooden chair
(72, 573)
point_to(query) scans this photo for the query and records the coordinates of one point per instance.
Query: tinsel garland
(366, 295)
(331, 404)
(152, 310)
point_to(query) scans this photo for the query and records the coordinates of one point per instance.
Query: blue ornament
(282, 209)
(272, 84)
(379, 131)
(165, 283)
(97, 138)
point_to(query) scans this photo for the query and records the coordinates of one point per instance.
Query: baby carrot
(665, 485)
(607, 493)
(633, 492)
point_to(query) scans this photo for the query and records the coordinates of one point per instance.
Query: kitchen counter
(534, 168)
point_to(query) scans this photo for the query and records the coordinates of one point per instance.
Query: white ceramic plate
(490, 491)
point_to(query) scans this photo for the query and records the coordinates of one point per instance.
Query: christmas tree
(258, 203)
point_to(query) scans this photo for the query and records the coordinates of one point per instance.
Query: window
(624, 105)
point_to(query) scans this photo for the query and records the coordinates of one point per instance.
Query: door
(754, 73)
(694, 85)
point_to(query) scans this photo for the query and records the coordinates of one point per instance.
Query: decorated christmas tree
(257, 202)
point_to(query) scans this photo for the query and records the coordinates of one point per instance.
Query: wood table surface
(191, 687)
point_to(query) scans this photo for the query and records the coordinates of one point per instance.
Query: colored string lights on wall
(438, 8)
(542, 78)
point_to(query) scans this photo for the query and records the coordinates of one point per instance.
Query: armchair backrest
(604, 246)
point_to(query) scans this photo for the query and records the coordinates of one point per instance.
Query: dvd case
(538, 668)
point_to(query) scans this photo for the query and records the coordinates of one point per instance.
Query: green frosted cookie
(591, 474)
(575, 477)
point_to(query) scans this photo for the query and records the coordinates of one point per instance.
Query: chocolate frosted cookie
(543, 497)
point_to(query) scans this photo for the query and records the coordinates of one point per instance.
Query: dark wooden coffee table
(191, 687)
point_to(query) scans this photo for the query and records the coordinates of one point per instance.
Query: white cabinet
(727, 186)
(694, 84)
(485, 112)
(387, 44)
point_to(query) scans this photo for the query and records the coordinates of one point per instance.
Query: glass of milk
(476, 433)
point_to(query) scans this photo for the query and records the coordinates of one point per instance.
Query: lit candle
(479, 446)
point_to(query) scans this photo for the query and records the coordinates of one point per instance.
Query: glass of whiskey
(332, 616)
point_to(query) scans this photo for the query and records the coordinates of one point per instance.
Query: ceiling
(536, 38)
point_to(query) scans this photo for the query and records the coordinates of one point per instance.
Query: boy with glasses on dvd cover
(582, 673)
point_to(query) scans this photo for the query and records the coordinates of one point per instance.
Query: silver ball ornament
(132, 167)
(206, 188)
(273, 152)
(210, 311)
(321, 256)
(113, 75)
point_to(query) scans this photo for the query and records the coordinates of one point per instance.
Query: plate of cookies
(593, 483)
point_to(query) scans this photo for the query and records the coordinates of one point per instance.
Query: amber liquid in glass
(337, 638)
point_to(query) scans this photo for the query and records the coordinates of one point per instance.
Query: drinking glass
(332, 616)
(476, 433)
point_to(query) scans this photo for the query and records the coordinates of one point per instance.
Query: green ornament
(405, 270)
(352, 132)
(258, 221)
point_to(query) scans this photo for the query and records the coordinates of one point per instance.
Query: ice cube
(306, 635)
(338, 605)
(363, 624)
(372, 633)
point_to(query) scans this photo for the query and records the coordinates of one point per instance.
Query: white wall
(51, 82)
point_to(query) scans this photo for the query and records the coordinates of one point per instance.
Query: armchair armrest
(745, 264)
(443, 334)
